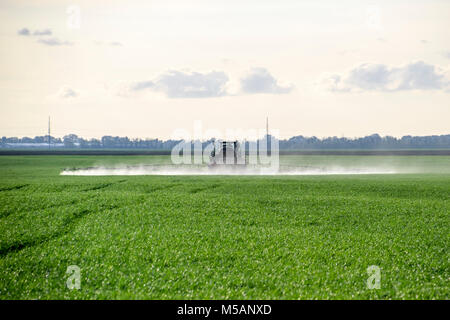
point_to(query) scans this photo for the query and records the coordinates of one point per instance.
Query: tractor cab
(226, 153)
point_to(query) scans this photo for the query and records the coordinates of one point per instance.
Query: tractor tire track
(67, 226)
(102, 186)
(14, 188)
(156, 189)
(197, 190)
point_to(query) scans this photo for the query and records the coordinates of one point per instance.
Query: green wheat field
(225, 237)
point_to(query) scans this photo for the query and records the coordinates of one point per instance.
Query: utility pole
(49, 133)
(268, 145)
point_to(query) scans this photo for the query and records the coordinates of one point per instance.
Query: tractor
(227, 153)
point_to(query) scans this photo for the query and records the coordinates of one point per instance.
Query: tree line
(374, 141)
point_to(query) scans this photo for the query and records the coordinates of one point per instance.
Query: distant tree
(374, 141)
(71, 141)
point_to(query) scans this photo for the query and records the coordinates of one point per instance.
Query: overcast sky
(146, 68)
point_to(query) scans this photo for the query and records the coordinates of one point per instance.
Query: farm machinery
(227, 153)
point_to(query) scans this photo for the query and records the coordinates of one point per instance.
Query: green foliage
(220, 237)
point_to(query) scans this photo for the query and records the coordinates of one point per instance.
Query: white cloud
(379, 77)
(24, 32)
(141, 85)
(259, 80)
(27, 32)
(176, 84)
(67, 93)
(44, 32)
(111, 43)
(55, 42)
